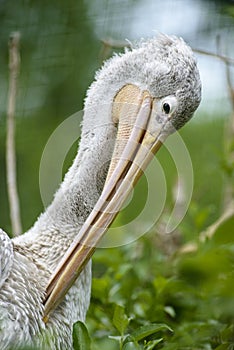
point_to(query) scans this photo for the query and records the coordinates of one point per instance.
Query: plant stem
(14, 65)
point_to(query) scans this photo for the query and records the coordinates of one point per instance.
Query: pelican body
(137, 99)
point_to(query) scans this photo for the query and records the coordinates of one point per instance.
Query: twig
(14, 66)
(229, 82)
(223, 58)
(110, 43)
(116, 44)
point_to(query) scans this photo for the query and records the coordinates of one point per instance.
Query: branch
(110, 43)
(14, 65)
(115, 44)
(223, 58)
(229, 82)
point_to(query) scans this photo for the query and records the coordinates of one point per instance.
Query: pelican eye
(169, 104)
(166, 108)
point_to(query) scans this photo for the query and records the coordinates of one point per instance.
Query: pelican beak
(139, 137)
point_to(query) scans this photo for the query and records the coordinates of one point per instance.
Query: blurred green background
(61, 48)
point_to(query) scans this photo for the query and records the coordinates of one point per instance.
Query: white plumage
(164, 66)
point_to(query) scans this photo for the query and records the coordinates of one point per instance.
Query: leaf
(145, 331)
(118, 338)
(131, 346)
(120, 319)
(81, 338)
(170, 311)
(151, 344)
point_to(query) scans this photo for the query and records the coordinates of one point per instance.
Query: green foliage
(120, 319)
(142, 337)
(144, 299)
(81, 339)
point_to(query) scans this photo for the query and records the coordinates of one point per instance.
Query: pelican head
(139, 97)
(164, 66)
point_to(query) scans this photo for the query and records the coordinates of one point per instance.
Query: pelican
(137, 99)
